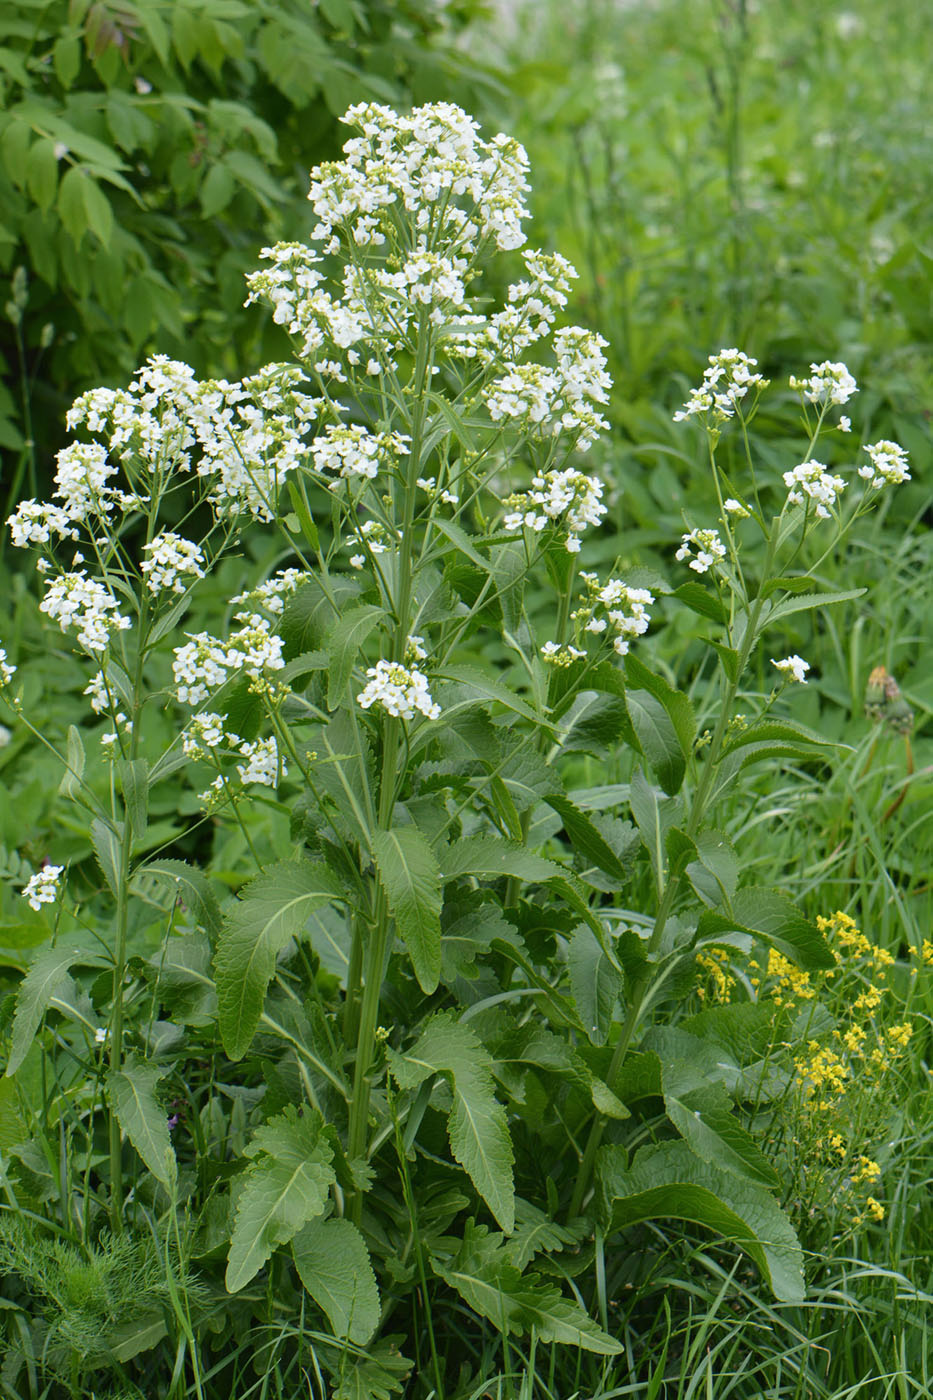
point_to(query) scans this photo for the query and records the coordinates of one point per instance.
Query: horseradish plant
(453, 985)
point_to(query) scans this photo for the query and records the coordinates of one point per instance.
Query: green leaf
(777, 731)
(701, 600)
(76, 759)
(333, 1264)
(66, 57)
(586, 838)
(479, 686)
(657, 738)
(83, 205)
(310, 612)
(272, 910)
(14, 147)
(411, 878)
(477, 1125)
(483, 1275)
(770, 915)
(343, 642)
(217, 190)
(132, 1094)
(806, 601)
(106, 844)
(285, 1187)
(675, 702)
(135, 778)
(654, 816)
(190, 886)
(594, 982)
(488, 857)
(42, 174)
(377, 1375)
(670, 1181)
(715, 873)
(47, 974)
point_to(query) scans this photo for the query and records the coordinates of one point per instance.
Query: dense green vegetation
(434, 999)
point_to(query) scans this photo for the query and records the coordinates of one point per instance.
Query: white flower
(793, 668)
(845, 424)
(561, 656)
(888, 464)
(708, 546)
(811, 479)
(74, 600)
(7, 672)
(357, 561)
(272, 593)
(171, 559)
(263, 763)
(736, 508)
(205, 733)
(726, 383)
(101, 1035)
(828, 383)
(398, 690)
(5, 736)
(34, 522)
(568, 498)
(614, 608)
(351, 451)
(42, 888)
(204, 663)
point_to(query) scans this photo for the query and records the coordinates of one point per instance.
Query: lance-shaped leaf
(132, 1094)
(585, 837)
(333, 1264)
(477, 1125)
(135, 778)
(594, 982)
(343, 643)
(669, 1181)
(770, 915)
(285, 1186)
(411, 879)
(273, 909)
(484, 1275)
(47, 975)
(487, 857)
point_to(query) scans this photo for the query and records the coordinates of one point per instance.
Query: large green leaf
(657, 738)
(675, 702)
(132, 1094)
(190, 885)
(333, 1264)
(670, 1181)
(311, 610)
(477, 1125)
(770, 915)
(411, 878)
(488, 857)
(586, 838)
(47, 974)
(284, 1187)
(273, 909)
(594, 982)
(485, 1276)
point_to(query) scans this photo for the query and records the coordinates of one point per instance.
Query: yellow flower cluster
(714, 980)
(791, 983)
(822, 1074)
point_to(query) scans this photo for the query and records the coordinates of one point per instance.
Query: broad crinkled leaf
(333, 1264)
(668, 1181)
(411, 878)
(285, 1186)
(273, 909)
(133, 1098)
(477, 1125)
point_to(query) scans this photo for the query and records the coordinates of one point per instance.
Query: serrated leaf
(135, 777)
(701, 600)
(310, 612)
(480, 687)
(191, 886)
(477, 1125)
(715, 873)
(132, 1094)
(485, 1277)
(657, 738)
(106, 845)
(804, 602)
(48, 973)
(488, 857)
(284, 1188)
(586, 838)
(770, 915)
(594, 982)
(272, 910)
(333, 1264)
(654, 816)
(772, 731)
(675, 702)
(343, 642)
(670, 1181)
(411, 878)
(376, 1376)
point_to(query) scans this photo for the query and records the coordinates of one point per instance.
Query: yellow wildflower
(869, 1000)
(875, 1208)
(899, 1036)
(853, 1040)
(792, 983)
(926, 951)
(868, 1171)
(715, 963)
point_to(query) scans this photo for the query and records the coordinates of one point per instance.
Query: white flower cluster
(204, 663)
(7, 672)
(736, 508)
(171, 560)
(429, 485)
(567, 497)
(553, 654)
(400, 691)
(75, 600)
(812, 480)
(272, 593)
(793, 668)
(42, 888)
(888, 464)
(726, 383)
(615, 609)
(558, 399)
(827, 383)
(206, 735)
(350, 451)
(708, 546)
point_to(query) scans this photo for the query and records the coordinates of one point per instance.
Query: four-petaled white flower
(399, 690)
(42, 888)
(888, 464)
(726, 383)
(171, 559)
(812, 480)
(793, 668)
(703, 548)
(827, 383)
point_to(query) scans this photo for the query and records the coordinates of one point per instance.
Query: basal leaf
(411, 878)
(333, 1264)
(670, 1181)
(285, 1186)
(273, 909)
